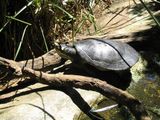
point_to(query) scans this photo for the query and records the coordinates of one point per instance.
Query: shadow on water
(146, 82)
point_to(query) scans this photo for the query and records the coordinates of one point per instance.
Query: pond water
(145, 86)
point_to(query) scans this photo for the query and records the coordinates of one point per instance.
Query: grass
(46, 22)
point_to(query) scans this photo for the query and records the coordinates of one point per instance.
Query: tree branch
(94, 84)
(44, 63)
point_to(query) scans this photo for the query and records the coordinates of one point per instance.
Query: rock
(44, 104)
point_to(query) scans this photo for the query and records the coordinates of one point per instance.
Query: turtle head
(66, 50)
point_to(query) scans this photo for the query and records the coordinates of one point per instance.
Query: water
(145, 86)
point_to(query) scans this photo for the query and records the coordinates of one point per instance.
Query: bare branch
(94, 84)
(44, 62)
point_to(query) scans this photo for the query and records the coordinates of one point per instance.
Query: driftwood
(21, 69)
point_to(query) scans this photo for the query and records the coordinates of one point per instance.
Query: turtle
(103, 54)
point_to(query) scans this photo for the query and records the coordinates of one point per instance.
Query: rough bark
(44, 63)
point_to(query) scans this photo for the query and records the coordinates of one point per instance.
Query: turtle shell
(106, 54)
